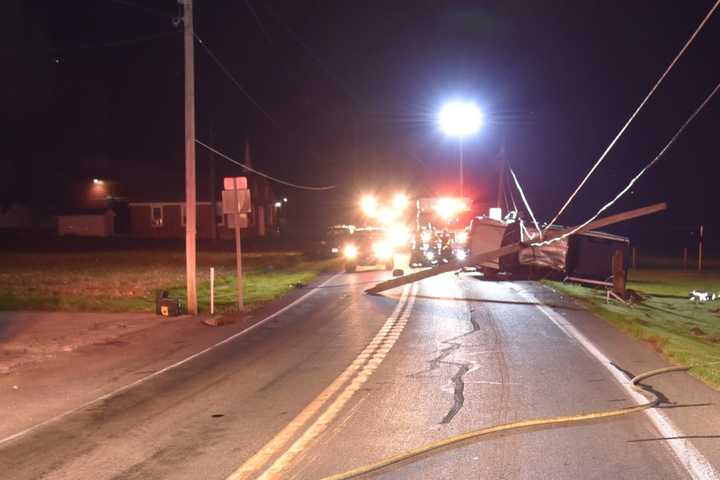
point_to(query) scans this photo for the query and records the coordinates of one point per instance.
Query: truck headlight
(350, 251)
(461, 255)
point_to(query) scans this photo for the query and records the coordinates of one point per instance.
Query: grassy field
(688, 333)
(122, 281)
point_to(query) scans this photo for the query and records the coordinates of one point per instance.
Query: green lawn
(688, 333)
(126, 281)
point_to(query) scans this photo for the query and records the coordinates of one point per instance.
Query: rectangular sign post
(238, 246)
(236, 203)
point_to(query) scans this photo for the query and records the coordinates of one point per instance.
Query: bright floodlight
(400, 201)
(368, 205)
(460, 119)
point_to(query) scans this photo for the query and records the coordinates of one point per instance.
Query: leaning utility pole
(501, 178)
(190, 187)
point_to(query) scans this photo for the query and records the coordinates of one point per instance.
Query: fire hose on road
(583, 417)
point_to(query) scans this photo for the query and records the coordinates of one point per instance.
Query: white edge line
(169, 367)
(694, 462)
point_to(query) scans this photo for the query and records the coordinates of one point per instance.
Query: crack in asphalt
(462, 369)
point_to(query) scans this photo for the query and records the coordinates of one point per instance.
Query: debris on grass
(688, 332)
(697, 332)
(702, 296)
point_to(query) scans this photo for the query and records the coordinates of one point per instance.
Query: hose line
(514, 426)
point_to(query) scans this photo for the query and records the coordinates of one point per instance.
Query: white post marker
(212, 290)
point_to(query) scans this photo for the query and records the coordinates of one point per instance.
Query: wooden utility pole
(190, 185)
(700, 249)
(619, 275)
(501, 178)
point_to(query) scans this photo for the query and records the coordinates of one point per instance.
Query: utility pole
(190, 182)
(700, 250)
(501, 177)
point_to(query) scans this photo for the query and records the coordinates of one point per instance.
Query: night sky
(345, 93)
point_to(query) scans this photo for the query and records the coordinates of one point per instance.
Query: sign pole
(238, 247)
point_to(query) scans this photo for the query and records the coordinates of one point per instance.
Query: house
(87, 223)
(159, 211)
(15, 216)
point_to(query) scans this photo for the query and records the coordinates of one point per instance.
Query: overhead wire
(262, 174)
(259, 22)
(235, 81)
(312, 53)
(636, 177)
(527, 205)
(635, 113)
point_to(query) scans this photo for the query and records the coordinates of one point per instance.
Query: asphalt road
(343, 379)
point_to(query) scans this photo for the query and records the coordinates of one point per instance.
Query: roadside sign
(229, 183)
(243, 201)
(243, 221)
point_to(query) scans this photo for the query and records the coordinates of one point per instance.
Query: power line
(235, 81)
(527, 205)
(312, 54)
(632, 117)
(227, 72)
(636, 177)
(265, 175)
(259, 22)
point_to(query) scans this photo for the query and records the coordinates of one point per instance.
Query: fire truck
(440, 230)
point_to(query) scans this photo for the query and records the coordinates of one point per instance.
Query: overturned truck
(585, 256)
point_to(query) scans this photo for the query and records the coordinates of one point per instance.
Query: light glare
(400, 201)
(368, 205)
(460, 119)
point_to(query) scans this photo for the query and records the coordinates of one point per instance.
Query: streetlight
(460, 119)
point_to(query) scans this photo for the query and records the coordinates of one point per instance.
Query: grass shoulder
(687, 333)
(126, 281)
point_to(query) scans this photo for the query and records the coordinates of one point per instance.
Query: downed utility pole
(508, 249)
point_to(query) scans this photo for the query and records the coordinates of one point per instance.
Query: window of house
(156, 216)
(219, 217)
